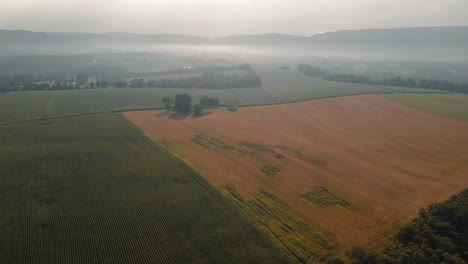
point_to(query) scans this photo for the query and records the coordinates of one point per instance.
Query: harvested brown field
(322, 175)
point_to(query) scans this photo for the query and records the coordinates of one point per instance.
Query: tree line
(207, 81)
(41, 83)
(396, 81)
(191, 70)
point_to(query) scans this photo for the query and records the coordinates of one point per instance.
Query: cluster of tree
(397, 81)
(208, 81)
(438, 235)
(205, 102)
(183, 104)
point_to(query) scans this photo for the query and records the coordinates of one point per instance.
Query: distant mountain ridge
(401, 36)
(427, 36)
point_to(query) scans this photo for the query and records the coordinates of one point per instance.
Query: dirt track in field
(386, 160)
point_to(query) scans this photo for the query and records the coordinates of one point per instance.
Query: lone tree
(198, 110)
(183, 103)
(168, 102)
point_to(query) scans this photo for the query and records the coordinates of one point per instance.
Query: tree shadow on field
(201, 116)
(161, 114)
(178, 116)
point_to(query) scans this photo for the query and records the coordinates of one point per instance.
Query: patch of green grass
(270, 170)
(322, 196)
(453, 106)
(95, 189)
(274, 197)
(293, 85)
(315, 159)
(214, 143)
(260, 148)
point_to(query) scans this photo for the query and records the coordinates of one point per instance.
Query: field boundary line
(78, 115)
(114, 111)
(326, 97)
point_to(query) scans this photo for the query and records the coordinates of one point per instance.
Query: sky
(227, 17)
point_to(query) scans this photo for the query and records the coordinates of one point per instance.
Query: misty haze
(218, 131)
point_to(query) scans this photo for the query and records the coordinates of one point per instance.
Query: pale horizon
(221, 36)
(210, 18)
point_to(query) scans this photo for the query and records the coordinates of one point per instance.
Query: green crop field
(453, 106)
(293, 85)
(94, 189)
(278, 87)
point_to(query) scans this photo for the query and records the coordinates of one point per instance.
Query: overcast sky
(226, 17)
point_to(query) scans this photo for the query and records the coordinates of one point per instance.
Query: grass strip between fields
(162, 108)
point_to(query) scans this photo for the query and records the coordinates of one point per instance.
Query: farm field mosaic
(322, 175)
